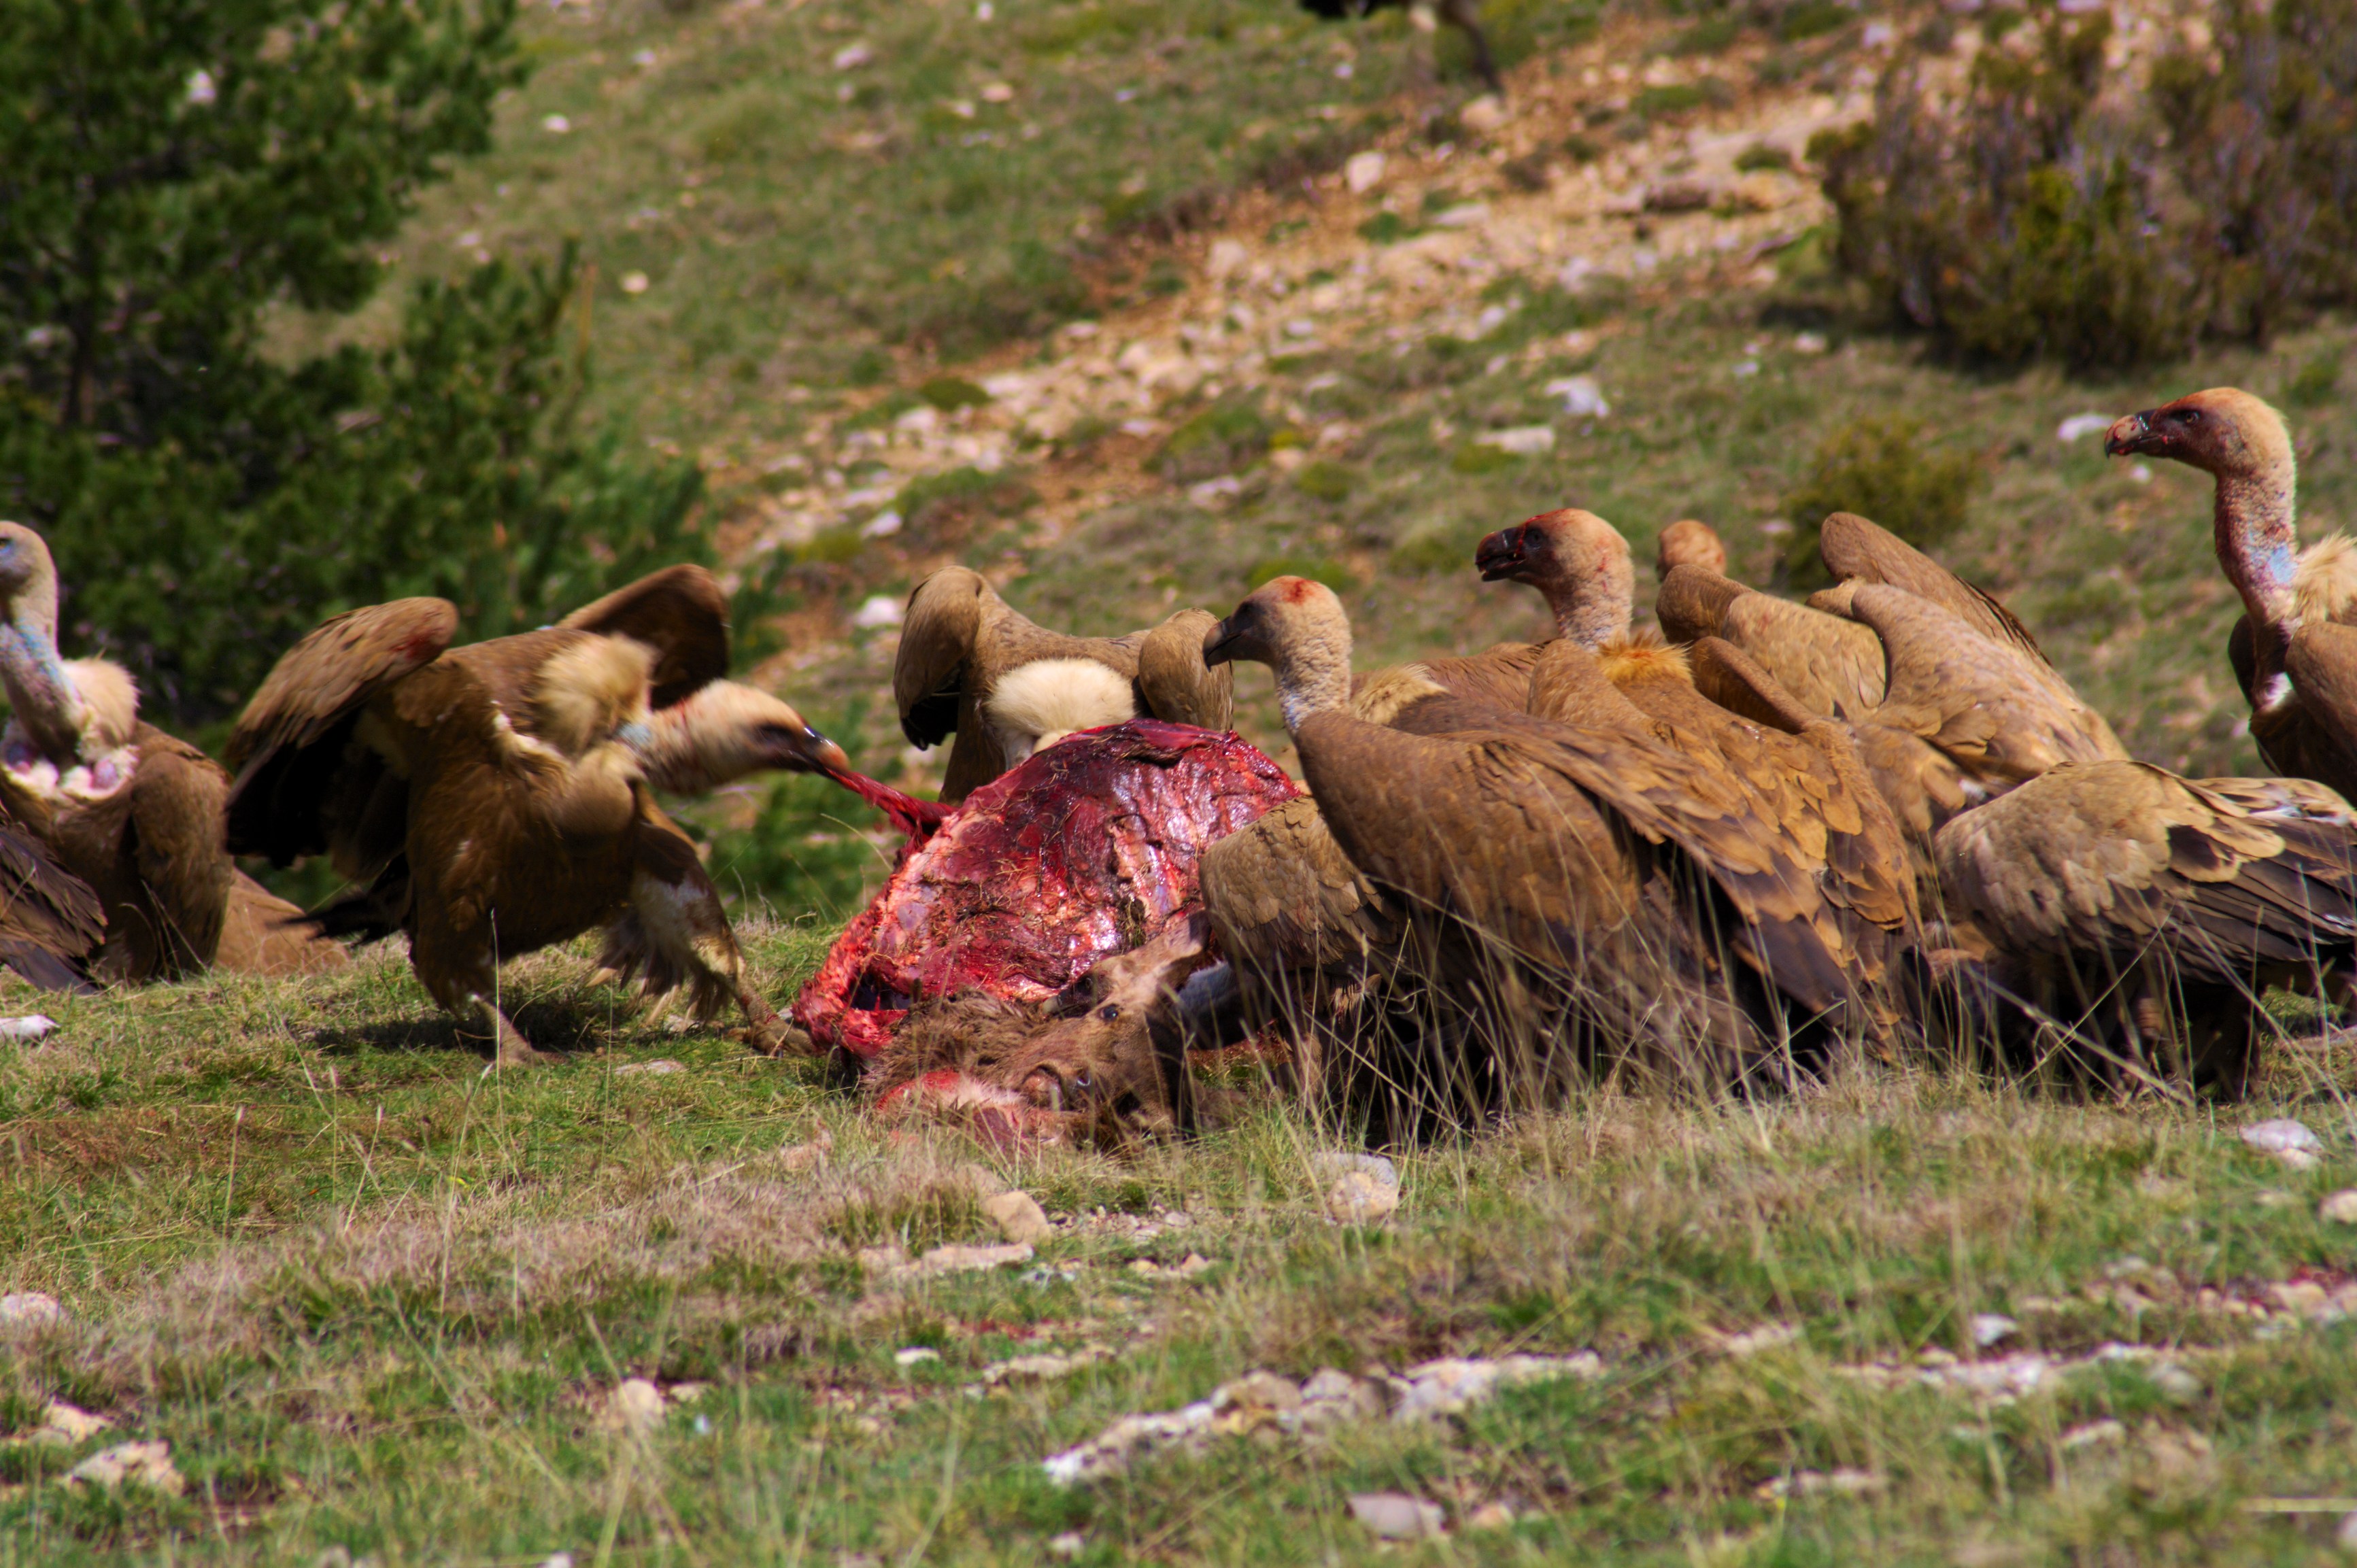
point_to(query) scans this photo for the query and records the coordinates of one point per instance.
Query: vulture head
(52, 718)
(2222, 431)
(28, 578)
(1298, 629)
(724, 731)
(1578, 561)
(1689, 542)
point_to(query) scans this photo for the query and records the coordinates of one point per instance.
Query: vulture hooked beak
(2137, 436)
(1502, 554)
(1216, 641)
(803, 750)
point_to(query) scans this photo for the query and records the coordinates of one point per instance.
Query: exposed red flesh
(918, 818)
(1085, 850)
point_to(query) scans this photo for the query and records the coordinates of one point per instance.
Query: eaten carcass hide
(1011, 963)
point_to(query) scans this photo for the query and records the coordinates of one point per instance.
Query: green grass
(376, 1300)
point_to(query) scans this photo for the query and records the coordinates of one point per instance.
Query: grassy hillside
(380, 1307)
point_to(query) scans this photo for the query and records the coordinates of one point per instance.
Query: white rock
(1040, 1367)
(635, 282)
(2341, 1207)
(1362, 173)
(2177, 1385)
(1471, 215)
(555, 124)
(922, 420)
(1582, 397)
(2078, 426)
(635, 1407)
(875, 611)
(914, 1355)
(1229, 257)
(1808, 342)
(660, 1068)
(1070, 1544)
(30, 1310)
(31, 1026)
(1988, 1327)
(1523, 440)
(2092, 1433)
(202, 89)
(1448, 1386)
(998, 93)
(557, 1559)
(2281, 1135)
(1019, 1216)
(69, 1425)
(964, 1260)
(1767, 1337)
(1335, 1164)
(1359, 1199)
(149, 1464)
(1484, 115)
(1395, 1516)
(851, 56)
(2299, 1159)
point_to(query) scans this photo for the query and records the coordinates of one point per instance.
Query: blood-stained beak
(1499, 555)
(799, 748)
(2134, 434)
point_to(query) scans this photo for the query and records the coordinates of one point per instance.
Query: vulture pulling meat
(494, 799)
(2147, 913)
(2293, 651)
(1009, 964)
(1556, 879)
(968, 662)
(130, 811)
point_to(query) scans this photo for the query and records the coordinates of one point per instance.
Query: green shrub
(1880, 468)
(1317, 568)
(1658, 103)
(1812, 19)
(1324, 479)
(950, 392)
(1761, 156)
(1232, 433)
(1708, 36)
(2037, 217)
(934, 504)
(1582, 149)
(1385, 229)
(1429, 553)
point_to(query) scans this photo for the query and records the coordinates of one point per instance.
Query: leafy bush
(950, 393)
(1324, 480)
(2041, 215)
(1877, 468)
(1232, 433)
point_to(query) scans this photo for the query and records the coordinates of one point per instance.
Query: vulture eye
(1109, 1012)
(2192, 417)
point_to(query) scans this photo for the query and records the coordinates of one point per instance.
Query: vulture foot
(509, 1048)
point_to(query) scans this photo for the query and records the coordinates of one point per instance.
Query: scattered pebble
(1522, 441)
(149, 1464)
(557, 1559)
(656, 1068)
(2177, 1385)
(1843, 1483)
(915, 1355)
(2286, 1140)
(1360, 172)
(1988, 1327)
(964, 1260)
(2347, 1537)
(1808, 342)
(1484, 115)
(69, 1425)
(851, 56)
(2341, 1207)
(998, 93)
(1041, 1367)
(1491, 1516)
(1395, 1516)
(31, 1026)
(634, 1409)
(1444, 1387)
(1767, 1337)
(634, 283)
(1582, 397)
(883, 525)
(877, 610)
(2093, 1434)
(555, 124)
(1019, 1216)
(30, 1309)
(1070, 1544)
(1360, 1199)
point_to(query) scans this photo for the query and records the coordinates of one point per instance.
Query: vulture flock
(1715, 855)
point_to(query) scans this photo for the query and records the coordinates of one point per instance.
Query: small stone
(2299, 1159)
(2177, 1385)
(915, 1355)
(1767, 1337)
(891, 1255)
(1019, 1216)
(30, 1309)
(557, 1559)
(998, 93)
(2341, 1207)
(1484, 115)
(2347, 1536)
(1490, 1515)
(657, 1068)
(1988, 1327)
(1583, 398)
(148, 1464)
(31, 1026)
(1362, 172)
(2089, 1435)
(635, 1408)
(1258, 1392)
(1522, 441)
(1359, 1199)
(1334, 1165)
(2277, 1136)
(69, 1425)
(811, 1156)
(686, 1393)
(555, 124)
(1229, 257)
(875, 611)
(851, 56)
(1070, 1544)
(635, 282)
(1193, 1263)
(2301, 1298)
(1395, 1516)
(969, 1260)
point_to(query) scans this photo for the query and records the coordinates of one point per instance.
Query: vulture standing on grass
(2294, 652)
(132, 811)
(970, 663)
(2147, 914)
(494, 799)
(1589, 862)
(1805, 786)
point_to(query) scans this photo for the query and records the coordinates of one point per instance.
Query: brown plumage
(1832, 666)
(1596, 861)
(1839, 861)
(959, 640)
(1856, 551)
(492, 799)
(2143, 914)
(2296, 659)
(50, 920)
(130, 811)
(1689, 542)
